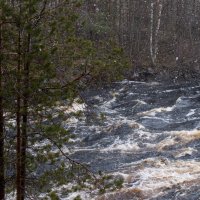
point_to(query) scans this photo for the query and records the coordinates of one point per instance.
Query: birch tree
(155, 23)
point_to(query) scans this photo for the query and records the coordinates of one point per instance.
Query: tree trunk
(2, 178)
(151, 32)
(154, 34)
(18, 117)
(18, 122)
(25, 118)
(160, 6)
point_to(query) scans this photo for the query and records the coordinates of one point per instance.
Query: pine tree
(2, 178)
(45, 64)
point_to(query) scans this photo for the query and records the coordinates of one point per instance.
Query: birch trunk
(154, 36)
(151, 31)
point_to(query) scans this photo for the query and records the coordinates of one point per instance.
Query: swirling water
(147, 132)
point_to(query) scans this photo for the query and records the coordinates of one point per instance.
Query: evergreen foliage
(44, 61)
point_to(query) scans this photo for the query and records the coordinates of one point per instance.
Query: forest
(92, 92)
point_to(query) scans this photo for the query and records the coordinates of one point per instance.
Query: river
(149, 133)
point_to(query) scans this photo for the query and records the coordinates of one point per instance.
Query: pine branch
(73, 162)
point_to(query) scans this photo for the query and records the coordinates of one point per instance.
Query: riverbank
(164, 74)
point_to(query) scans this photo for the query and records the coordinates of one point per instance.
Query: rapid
(149, 133)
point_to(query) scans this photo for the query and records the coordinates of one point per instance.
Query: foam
(154, 111)
(122, 145)
(166, 174)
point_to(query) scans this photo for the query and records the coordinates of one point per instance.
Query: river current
(149, 133)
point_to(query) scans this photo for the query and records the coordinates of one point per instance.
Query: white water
(150, 135)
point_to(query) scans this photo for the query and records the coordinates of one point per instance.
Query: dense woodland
(157, 33)
(50, 50)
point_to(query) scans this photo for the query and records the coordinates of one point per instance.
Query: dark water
(147, 132)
